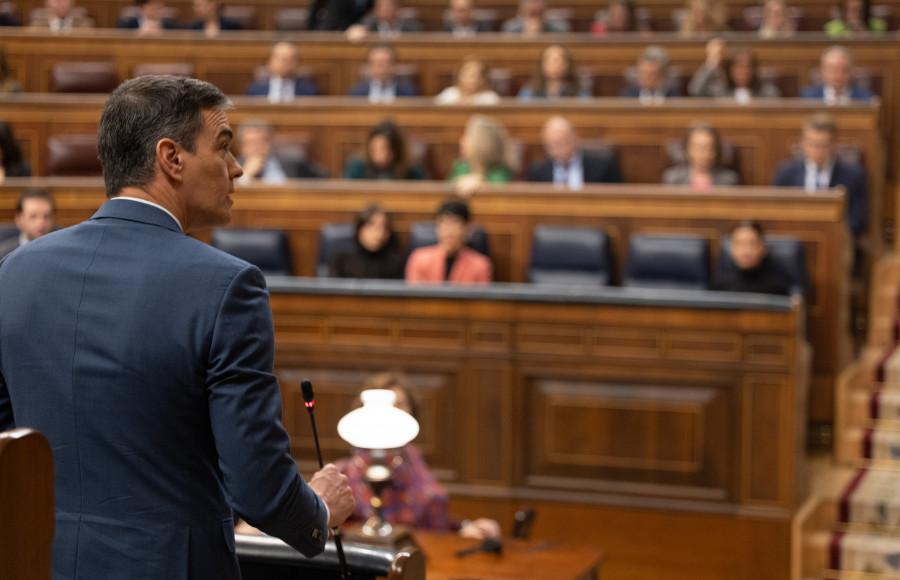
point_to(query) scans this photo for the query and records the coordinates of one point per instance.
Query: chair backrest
(570, 255)
(8, 230)
(84, 77)
(333, 238)
(667, 261)
(786, 256)
(268, 250)
(178, 69)
(292, 19)
(73, 156)
(26, 502)
(423, 234)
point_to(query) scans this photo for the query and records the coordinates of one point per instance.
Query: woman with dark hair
(8, 85)
(854, 19)
(386, 156)
(374, 253)
(747, 248)
(702, 165)
(553, 76)
(736, 76)
(209, 19)
(619, 16)
(11, 162)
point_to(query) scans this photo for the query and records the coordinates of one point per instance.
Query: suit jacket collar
(135, 211)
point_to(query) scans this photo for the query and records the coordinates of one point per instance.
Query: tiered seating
(852, 525)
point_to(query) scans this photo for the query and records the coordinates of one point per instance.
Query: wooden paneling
(682, 439)
(509, 214)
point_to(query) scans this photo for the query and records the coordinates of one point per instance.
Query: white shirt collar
(137, 199)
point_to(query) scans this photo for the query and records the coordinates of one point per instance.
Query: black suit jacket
(132, 22)
(634, 91)
(598, 168)
(337, 14)
(793, 174)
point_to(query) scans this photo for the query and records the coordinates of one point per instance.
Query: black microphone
(491, 546)
(310, 402)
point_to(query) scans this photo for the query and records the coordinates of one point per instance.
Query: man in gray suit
(146, 358)
(34, 218)
(531, 19)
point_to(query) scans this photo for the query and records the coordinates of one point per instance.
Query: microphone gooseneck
(310, 403)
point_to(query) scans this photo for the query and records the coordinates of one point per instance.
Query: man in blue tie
(567, 164)
(283, 83)
(820, 168)
(146, 358)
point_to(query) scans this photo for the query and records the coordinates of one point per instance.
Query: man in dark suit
(567, 164)
(151, 19)
(283, 83)
(386, 21)
(837, 87)
(209, 19)
(34, 218)
(651, 82)
(261, 164)
(145, 357)
(382, 85)
(461, 21)
(821, 169)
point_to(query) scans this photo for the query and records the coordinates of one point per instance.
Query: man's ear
(170, 159)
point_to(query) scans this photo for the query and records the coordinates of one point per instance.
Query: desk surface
(520, 560)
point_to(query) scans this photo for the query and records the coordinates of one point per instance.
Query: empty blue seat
(268, 250)
(570, 255)
(423, 234)
(333, 238)
(786, 256)
(667, 261)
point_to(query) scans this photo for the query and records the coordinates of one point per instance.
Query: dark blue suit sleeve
(857, 202)
(261, 479)
(7, 421)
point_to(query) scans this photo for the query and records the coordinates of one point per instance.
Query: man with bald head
(837, 87)
(567, 164)
(283, 83)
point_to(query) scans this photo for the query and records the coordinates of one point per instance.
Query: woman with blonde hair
(703, 16)
(484, 156)
(471, 85)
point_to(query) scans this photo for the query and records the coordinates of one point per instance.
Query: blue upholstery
(667, 261)
(268, 250)
(423, 234)
(570, 255)
(333, 238)
(786, 256)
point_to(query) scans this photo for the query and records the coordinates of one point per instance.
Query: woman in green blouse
(485, 156)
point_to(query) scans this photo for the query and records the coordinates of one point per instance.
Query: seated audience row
(375, 254)
(732, 74)
(362, 19)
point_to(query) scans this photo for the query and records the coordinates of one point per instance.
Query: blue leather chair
(786, 256)
(570, 255)
(423, 234)
(667, 261)
(333, 238)
(268, 250)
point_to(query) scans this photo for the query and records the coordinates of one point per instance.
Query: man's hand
(331, 485)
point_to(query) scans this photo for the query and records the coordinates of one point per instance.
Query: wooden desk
(520, 560)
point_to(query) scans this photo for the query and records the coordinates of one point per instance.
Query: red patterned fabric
(414, 497)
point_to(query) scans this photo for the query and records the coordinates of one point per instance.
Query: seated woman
(855, 20)
(702, 17)
(472, 85)
(776, 21)
(375, 253)
(11, 162)
(553, 76)
(414, 497)
(386, 156)
(8, 84)
(209, 19)
(702, 166)
(748, 251)
(485, 156)
(736, 76)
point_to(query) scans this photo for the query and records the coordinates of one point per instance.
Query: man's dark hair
(141, 112)
(35, 193)
(454, 208)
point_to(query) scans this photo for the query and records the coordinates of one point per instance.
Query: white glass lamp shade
(378, 424)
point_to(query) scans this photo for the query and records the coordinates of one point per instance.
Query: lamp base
(399, 538)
